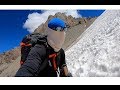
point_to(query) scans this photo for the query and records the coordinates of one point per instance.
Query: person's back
(47, 61)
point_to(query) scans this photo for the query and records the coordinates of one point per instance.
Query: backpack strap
(53, 56)
(45, 62)
(42, 66)
(54, 63)
(24, 44)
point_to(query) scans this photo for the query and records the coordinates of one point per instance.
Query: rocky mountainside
(71, 21)
(9, 56)
(9, 61)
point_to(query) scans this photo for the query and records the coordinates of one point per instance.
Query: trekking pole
(58, 72)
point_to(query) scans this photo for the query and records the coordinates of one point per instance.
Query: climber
(48, 59)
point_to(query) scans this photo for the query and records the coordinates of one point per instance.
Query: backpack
(30, 41)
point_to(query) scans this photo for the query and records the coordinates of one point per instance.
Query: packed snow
(97, 52)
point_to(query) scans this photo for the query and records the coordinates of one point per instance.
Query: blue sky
(12, 21)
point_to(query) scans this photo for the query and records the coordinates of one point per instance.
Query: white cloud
(35, 19)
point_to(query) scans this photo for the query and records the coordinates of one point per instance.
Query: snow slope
(97, 52)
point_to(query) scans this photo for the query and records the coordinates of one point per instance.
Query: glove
(69, 75)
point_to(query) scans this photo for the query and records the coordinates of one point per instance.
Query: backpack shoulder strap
(45, 62)
(43, 65)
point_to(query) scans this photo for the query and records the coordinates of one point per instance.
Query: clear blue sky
(11, 26)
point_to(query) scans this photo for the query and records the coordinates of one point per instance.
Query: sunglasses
(61, 29)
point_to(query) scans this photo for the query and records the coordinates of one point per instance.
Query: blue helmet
(57, 24)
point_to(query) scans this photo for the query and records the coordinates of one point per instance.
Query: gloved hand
(69, 75)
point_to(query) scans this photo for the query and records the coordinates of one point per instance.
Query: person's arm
(31, 66)
(66, 72)
(64, 69)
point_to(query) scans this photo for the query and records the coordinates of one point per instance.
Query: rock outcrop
(9, 56)
(71, 21)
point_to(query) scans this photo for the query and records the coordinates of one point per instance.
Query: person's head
(56, 33)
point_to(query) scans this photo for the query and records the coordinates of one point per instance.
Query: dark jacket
(36, 58)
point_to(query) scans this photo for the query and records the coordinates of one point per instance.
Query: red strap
(24, 44)
(54, 63)
(21, 62)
